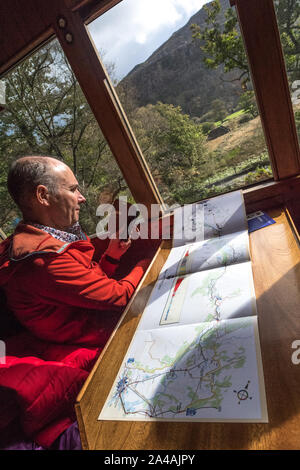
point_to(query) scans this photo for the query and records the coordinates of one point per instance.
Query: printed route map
(212, 253)
(208, 371)
(216, 294)
(195, 355)
(215, 217)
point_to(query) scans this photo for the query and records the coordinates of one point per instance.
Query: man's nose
(81, 199)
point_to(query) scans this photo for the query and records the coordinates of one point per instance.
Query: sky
(131, 31)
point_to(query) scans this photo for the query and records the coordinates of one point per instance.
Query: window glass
(288, 20)
(46, 113)
(181, 73)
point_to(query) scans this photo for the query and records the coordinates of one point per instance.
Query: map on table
(217, 294)
(215, 217)
(206, 371)
(195, 355)
(207, 254)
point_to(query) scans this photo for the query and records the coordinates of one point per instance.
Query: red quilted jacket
(58, 292)
(39, 383)
(68, 305)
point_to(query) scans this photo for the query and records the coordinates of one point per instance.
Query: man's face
(65, 205)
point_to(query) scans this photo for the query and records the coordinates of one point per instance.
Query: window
(46, 113)
(195, 120)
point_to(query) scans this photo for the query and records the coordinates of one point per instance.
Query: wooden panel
(76, 4)
(293, 216)
(23, 29)
(95, 8)
(271, 194)
(89, 8)
(262, 41)
(276, 271)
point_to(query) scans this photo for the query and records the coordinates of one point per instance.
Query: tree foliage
(222, 43)
(46, 113)
(174, 146)
(288, 14)
(248, 103)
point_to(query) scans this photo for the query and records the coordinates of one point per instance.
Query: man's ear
(42, 195)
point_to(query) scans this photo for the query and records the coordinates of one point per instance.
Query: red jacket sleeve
(64, 279)
(107, 267)
(100, 247)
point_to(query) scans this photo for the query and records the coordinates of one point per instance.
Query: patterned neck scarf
(73, 234)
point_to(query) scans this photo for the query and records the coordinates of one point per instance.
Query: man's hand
(117, 248)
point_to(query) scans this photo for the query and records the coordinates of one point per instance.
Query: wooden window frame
(258, 24)
(259, 29)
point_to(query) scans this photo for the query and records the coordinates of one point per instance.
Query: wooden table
(276, 271)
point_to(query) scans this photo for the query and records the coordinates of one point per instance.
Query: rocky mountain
(175, 74)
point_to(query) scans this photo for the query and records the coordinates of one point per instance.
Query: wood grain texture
(276, 271)
(94, 8)
(271, 194)
(293, 215)
(23, 29)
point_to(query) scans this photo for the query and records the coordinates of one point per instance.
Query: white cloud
(133, 29)
(150, 16)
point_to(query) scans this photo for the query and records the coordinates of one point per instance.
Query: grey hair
(25, 174)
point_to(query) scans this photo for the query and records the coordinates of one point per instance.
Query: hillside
(175, 74)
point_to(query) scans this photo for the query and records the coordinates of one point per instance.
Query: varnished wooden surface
(276, 271)
(26, 24)
(270, 194)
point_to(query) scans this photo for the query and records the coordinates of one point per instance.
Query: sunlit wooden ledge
(271, 194)
(294, 224)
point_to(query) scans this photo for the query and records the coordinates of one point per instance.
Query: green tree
(174, 147)
(247, 102)
(219, 109)
(47, 113)
(288, 14)
(222, 43)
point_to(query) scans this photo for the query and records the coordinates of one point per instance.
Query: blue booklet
(258, 220)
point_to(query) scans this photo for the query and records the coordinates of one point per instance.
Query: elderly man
(53, 284)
